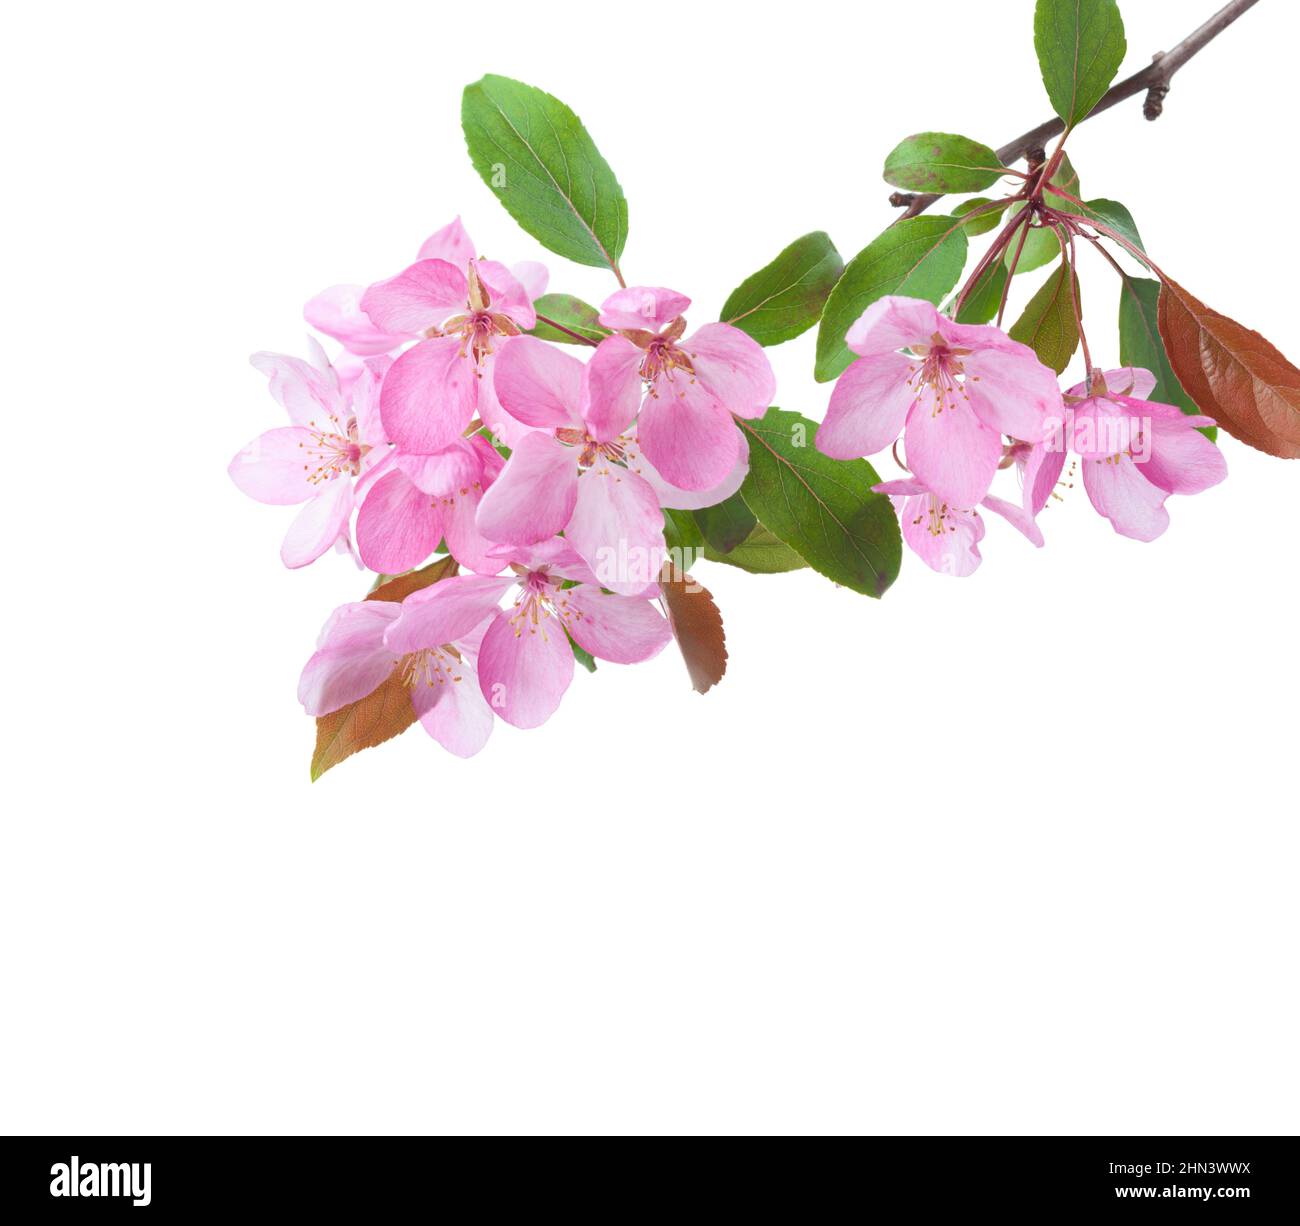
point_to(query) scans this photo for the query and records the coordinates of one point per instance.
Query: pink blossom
(464, 311)
(1134, 453)
(414, 501)
(316, 459)
(692, 387)
(945, 537)
(525, 662)
(352, 661)
(953, 396)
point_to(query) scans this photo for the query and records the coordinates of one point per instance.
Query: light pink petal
(617, 528)
(642, 308)
(611, 388)
(868, 407)
(273, 467)
(318, 525)
(446, 611)
(429, 396)
(555, 553)
(337, 312)
(623, 629)
(1017, 517)
(533, 276)
(1182, 459)
(691, 500)
(945, 538)
(1130, 381)
(451, 244)
(442, 472)
(893, 323)
(351, 660)
(539, 384)
(1102, 427)
(535, 494)
(1042, 470)
(309, 395)
(903, 487)
(398, 526)
(524, 667)
(950, 452)
(365, 401)
(419, 297)
(1117, 489)
(509, 297)
(455, 712)
(467, 543)
(1011, 391)
(686, 434)
(733, 367)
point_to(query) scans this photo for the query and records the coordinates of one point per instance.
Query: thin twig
(1154, 78)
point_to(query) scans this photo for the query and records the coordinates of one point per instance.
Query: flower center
(431, 666)
(663, 359)
(940, 369)
(540, 605)
(614, 452)
(332, 451)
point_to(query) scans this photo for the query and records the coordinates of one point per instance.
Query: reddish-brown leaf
(1233, 374)
(385, 712)
(697, 625)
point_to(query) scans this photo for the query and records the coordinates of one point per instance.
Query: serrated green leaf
(1049, 325)
(824, 509)
(982, 302)
(942, 162)
(534, 153)
(725, 524)
(760, 553)
(1140, 344)
(786, 297)
(1080, 45)
(1113, 214)
(921, 257)
(570, 313)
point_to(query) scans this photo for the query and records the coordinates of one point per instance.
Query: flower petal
(534, 277)
(539, 384)
(1017, 517)
(535, 494)
(691, 500)
(945, 538)
(642, 308)
(419, 297)
(733, 367)
(451, 244)
(687, 435)
(445, 611)
(892, 323)
(351, 660)
(428, 396)
(611, 388)
(272, 467)
(1119, 491)
(398, 525)
(1011, 391)
(337, 312)
(310, 396)
(617, 528)
(868, 407)
(949, 451)
(624, 629)
(455, 713)
(508, 296)
(1182, 459)
(318, 525)
(524, 667)
(1042, 464)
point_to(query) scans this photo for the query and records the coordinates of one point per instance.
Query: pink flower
(945, 537)
(692, 386)
(961, 387)
(466, 310)
(337, 311)
(352, 661)
(414, 501)
(1133, 453)
(316, 459)
(525, 662)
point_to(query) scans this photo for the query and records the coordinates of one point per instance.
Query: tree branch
(1154, 78)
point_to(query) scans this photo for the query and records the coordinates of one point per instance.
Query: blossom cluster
(442, 425)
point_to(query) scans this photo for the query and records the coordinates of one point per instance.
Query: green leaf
(726, 524)
(581, 654)
(786, 297)
(1140, 344)
(921, 257)
(533, 151)
(824, 509)
(982, 302)
(1113, 214)
(941, 162)
(571, 313)
(681, 532)
(1080, 45)
(760, 553)
(985, 221)
(1049, 325)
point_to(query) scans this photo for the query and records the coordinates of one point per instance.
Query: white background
(1009, 854)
